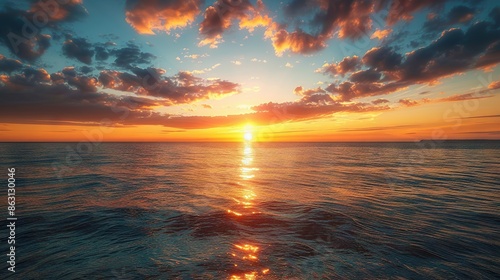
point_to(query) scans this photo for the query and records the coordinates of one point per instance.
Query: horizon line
(209, 141)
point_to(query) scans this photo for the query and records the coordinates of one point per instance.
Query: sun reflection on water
(246, 254)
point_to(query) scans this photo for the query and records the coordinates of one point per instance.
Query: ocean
(254, 210)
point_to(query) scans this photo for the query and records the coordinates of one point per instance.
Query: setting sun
(248, 136)
(247, 133)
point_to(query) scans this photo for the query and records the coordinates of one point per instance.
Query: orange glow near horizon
(394, 125)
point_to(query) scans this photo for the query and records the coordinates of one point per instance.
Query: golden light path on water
(246, 253)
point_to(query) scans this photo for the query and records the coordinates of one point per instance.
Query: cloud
(181, 88)
(495, 15)
(384, 70)
(143, 82)
(348, 64)
(130, 56)
(236, 62)
(344, 19)
(297, 42)
(257, 19)
(380, 101)
(305, 108)
(196, 56)
(365, 76)
(86, 69)
(458, 14)
(57, 11)
(481, 117)
(381, 34)
(220, 16)
(494, 85)
(68, 97)
(408, 102)
(376, 128)
(402, 10)
(8, 65)
(24, 38)
(11, 35)
(382, 59)
(149, 16)
(62, 97)
(462, 97)
(78, 48)
(101, 53)
(288, 65)
(258, 60)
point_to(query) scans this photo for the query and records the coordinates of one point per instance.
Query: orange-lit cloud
(59, 10)
(381, 34)
(494, 85)
(148, 16)
(219, 17)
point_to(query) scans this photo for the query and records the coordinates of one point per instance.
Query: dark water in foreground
(255, 211)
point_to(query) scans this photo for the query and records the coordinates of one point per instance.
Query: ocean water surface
(255, 210)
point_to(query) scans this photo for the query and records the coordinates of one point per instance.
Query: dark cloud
(78, 48)
(365, 76)
(59, 103)
(101, 53)
(495, 15)
(454, 52)
(9, 65)
(22, 31)
(382, 59)
(313, 96)
(25, 46)
(181, 88)
(148, 16)
(131, 56)
(349, 90)
(68, 97)
(403, 10)
(348, 64)
(86, 69)
(408, 102)
(380, 101)
(460, 14)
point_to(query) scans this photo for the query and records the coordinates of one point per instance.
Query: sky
(235, 70)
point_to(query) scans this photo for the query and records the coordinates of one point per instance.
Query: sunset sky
(301, 70)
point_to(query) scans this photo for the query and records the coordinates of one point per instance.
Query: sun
(248, 135)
